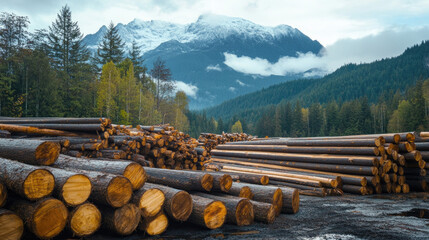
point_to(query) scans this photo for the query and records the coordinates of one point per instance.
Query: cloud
(189, 89)
(389, 43)
(241, 83)
(213, 68)
(231, 89)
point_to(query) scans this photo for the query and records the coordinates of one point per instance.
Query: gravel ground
(346, 217)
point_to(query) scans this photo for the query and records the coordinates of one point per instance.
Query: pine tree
(164, 86)
(111, 47)
(107, 90)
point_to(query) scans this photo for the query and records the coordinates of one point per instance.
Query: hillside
(195, 52)
(347, 83)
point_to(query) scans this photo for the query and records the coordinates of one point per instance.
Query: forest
(50, 72)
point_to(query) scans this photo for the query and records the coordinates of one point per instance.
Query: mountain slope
(195, 52)
(348, 82)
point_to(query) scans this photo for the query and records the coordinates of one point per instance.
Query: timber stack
(209, 141)
(320, 166)
(44, 193)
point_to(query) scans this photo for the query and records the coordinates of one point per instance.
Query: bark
(33, 152)
(35, 131)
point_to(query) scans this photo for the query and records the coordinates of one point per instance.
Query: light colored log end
(11, 226)
(47, 153)
(85, 220)
(38, 184)
(151, 202)
(181, 206)
(49, 219)
(214, 215)
(244, 213)
(136, 174)
(119, 191)
(76, 190)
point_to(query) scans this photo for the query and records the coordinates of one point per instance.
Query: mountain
(373, 80)
(195, 52)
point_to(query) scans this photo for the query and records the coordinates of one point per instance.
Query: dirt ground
(346, 217)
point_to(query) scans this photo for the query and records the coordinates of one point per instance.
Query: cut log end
(47, 153)
(38, 184)
(295, 201)
(119, 191)
(11, 226)
(226, 183)
(244, 213)
(49, 219)
(155, 225)
(85, 220)
(151, 202)
(76, 190)
(265, 180)
(214, 215)
(278, 201)
(136, 174)
(207, 182)
(126, 219)
(181, 206)
(246, 192)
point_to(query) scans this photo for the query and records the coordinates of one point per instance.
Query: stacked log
(359, 164)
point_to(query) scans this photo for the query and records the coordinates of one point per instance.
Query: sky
(355, 31)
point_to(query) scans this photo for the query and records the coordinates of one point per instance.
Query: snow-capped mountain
(195, 52)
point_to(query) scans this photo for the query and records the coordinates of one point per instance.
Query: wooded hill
(349, 82)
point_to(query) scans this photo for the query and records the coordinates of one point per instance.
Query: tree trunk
(240, 191)
(11, 226)
(181, 179)
(72, 188)
(45, 218)
(131, 170)
(33, 152)
(149, 200)
(84, 220)
(207, 212)
(178, 204)
(122, 221)
(30, 182)
(239, 210)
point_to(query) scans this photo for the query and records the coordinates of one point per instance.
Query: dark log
(154, 225)
(348, 169)
(4, 134)
(11, 225)
(264, 212)
(181, 179)
(30, 182)
(33, 152)
(413, 156)
(250, 178)
(131, 170)
(84, 220)
(304, 150)
(304, 158)
(240, 191)
(239, 210)
(3, 194)
(355, 189)
(122, 221)
(45, 120)
(149, 200)
(303, 190)
(70, 187)
(67, 127)
(45, 218)
(375, 142)
(178, 203)
(268, 194)
(222, 182)
(207, 212)
(422, 146)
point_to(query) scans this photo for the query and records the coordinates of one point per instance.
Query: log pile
(46, 193)
(209, 141)
(320, 166)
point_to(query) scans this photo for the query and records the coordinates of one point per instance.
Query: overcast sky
(324, 20)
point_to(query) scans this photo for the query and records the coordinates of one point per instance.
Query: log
(122, 221)
(149, 200)
(413, 156)
(302, 158)
(290, 197)
(35, 131)
(222, 182)
(268, 194)
(264, 212)
(422, 146)
(84, 220)
(108, 189)
(347, 169)
(154, 225)
(355, 189)
(131, 170)
(11, 225)
(32, 152)
(239, 210)
(70, 187)
(303, 190)
(30, 182)
(45, 218)
(181, 179)
(57, 120)
(368, 151)
(67, 127)
(4, 134)
(240, 191)
(178, 203)
(375, 142)
(249, 178)
(3, 194)
(207, 212)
